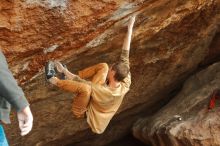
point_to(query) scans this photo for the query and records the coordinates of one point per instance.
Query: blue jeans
(3, 140)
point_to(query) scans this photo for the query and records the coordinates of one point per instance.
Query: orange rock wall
(171, 39)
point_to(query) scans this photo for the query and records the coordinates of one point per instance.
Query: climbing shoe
(49, 70)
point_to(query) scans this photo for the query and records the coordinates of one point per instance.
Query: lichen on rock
(49, 3)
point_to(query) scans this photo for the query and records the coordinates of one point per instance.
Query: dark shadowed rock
(197, 126)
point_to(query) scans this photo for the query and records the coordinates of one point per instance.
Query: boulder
(186, 120)
(171, 39)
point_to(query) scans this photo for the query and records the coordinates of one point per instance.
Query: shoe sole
(48, 71)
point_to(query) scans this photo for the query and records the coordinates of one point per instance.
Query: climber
(12, 95)
(101, 97)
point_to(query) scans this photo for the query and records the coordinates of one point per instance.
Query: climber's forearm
(127, 40)
(125, 50)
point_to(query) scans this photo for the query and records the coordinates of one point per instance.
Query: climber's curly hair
(121, 71)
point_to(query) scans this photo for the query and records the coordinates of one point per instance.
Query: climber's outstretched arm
(127, 41)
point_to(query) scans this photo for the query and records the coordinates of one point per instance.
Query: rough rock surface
(171, 39)
(198, 127)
